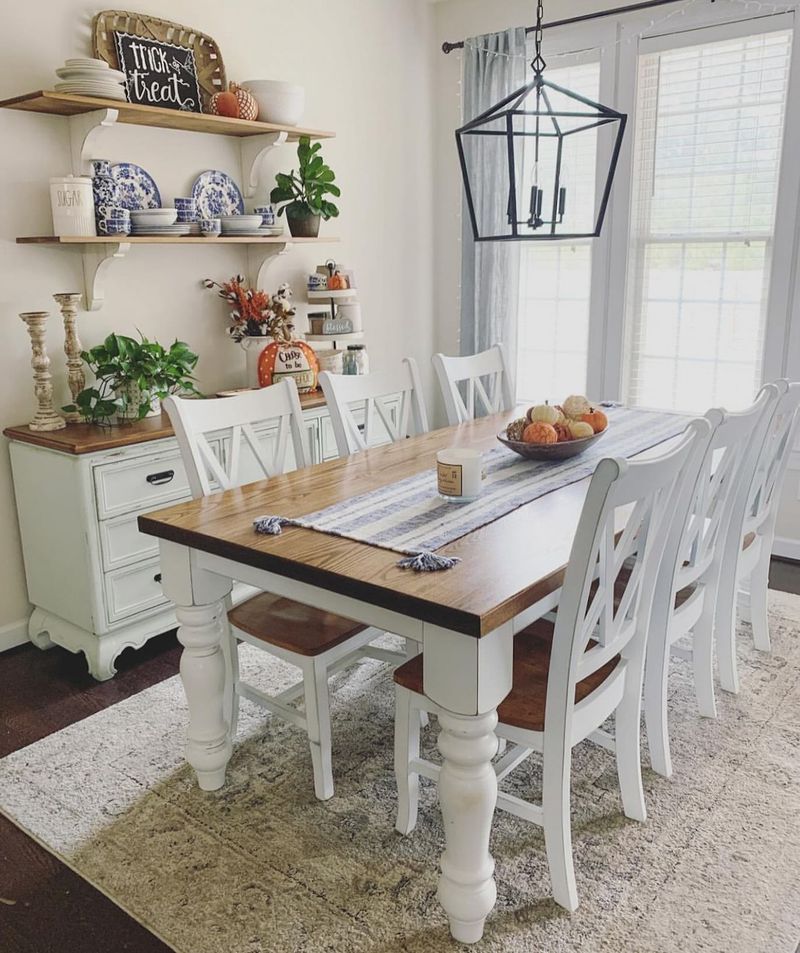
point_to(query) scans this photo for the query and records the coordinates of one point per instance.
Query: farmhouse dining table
(465, 618)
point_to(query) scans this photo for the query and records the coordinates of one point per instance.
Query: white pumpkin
(575, 406)
(544, 414)
(579, 429)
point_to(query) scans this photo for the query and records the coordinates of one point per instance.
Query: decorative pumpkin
(337, 282)
(545, 413)
(516, 428)
(580, 429)
(576, 406)
(562, 430)
(289, 359)
(596, 419)
(248, 107)
(539, 433)
(224, 104)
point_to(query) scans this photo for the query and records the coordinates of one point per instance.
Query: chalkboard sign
(158, 74)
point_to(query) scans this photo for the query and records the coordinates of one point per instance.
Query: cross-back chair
(752, 533)
(252, 435)
(470, 372)
(372, 393)
(687, 592)
(574, 669)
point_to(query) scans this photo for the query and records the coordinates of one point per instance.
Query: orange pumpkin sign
(295, 359)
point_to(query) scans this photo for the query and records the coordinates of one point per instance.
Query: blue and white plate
(137, 187)
(217, 194)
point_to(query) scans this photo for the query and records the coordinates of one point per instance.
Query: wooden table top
(506, 566)
(92, 438)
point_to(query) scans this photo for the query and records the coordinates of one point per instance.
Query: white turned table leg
(208, 743)
(467, 795)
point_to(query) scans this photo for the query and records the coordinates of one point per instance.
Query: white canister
(72, 203)
(351, 310)
(459, 474)
(330, 360)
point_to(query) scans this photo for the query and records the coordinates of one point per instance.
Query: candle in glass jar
(460, 474)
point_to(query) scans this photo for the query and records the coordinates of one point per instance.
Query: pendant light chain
(538, 63)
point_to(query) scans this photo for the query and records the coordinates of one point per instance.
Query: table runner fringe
(270, 525)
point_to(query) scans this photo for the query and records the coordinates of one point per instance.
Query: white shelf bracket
(262, 259)
(96, 262)
(84, 131)
(255, 149)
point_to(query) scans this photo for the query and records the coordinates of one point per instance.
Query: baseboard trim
(13, 634)
(786, 548)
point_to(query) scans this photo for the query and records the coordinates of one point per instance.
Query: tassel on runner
(428, 562)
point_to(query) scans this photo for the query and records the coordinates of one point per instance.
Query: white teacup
(460, 474)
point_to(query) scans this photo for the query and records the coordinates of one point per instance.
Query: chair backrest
(763, 495)
(372, 393)
(490, 397)
(233, 420)
(613, 567)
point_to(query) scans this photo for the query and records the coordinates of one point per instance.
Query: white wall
(366, 67)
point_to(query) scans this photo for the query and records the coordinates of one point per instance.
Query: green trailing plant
(306, 191)
(122, 361)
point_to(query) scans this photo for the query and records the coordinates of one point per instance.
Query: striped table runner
(409, 516)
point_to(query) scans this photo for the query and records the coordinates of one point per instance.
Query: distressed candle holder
(68, 301)
(46, 417)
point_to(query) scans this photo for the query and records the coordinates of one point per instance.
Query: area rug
(263, 866)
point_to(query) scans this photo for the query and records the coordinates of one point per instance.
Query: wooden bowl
(551, 451)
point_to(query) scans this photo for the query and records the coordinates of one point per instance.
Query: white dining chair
(372, 393)
(687, 591)
(485, 379)
(259, 435)
(748, 550)
(574, 669)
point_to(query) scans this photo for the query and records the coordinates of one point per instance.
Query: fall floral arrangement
(254, 313)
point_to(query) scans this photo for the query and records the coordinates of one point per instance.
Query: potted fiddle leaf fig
(304, 192)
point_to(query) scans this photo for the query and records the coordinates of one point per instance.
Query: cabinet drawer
(133, 590)
(121, 543)
(139, 484)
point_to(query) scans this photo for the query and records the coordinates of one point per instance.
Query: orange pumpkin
(248, 107)
(337, 282)
(295, 359)
(562, 432)
(539, 433)
(225, 104)
(596, 419)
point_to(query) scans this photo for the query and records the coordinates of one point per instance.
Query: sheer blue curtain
(494, 66)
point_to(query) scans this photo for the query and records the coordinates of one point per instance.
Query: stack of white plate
(157, 221)
(242, 225)
(89, 77)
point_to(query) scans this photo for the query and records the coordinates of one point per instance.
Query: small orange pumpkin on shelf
(225, 104)
(596, 419)
(337, 282)
(539, 432)
(247, 105)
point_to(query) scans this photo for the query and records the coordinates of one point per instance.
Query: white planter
(252, 347)
(136, 397)
(278, 102)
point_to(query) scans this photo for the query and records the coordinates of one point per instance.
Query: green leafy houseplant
(130, 374)
(305, 192)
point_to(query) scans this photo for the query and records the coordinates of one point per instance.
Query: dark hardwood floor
(44, 906)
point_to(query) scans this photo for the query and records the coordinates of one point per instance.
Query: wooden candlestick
(46, 417)
(68, 301)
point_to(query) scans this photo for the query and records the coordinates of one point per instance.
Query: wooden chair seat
(524, 706)
(291, 625)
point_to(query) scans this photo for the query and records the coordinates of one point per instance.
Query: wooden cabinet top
(92, 438)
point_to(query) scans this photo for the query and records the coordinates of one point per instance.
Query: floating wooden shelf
(326, 338)
(323, 295)
(68, 104)
(167, 240)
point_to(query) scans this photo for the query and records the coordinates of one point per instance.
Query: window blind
(708, 136)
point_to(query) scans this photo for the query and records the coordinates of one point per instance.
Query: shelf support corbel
(84, 131)
(255, 149)
(262, 259)
(96, 262)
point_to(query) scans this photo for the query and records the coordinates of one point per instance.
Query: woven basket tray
(208, 59)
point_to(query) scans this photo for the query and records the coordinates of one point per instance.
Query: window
(555, 278)
(709, 130)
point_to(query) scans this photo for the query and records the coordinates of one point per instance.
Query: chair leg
(406, 749)
(230, 652)
(759, 584)
(557, 825)
(413, 648)
(627, 730)
(656, 712)
(318, 719)
(703, 659)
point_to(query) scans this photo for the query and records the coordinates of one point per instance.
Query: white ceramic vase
(252, 347)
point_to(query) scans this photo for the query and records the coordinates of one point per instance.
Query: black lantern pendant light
(533, 136)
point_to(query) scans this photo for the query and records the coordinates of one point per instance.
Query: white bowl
(90, 74)
(84, 61)
(278, 102)
(154, 216)
(241, 221)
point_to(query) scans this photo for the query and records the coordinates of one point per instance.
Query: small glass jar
(355, 360)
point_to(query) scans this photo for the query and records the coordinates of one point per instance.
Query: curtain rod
(630, 8)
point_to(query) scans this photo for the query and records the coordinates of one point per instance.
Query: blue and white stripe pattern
(410, 517)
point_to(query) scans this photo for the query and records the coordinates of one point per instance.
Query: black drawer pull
(157, 577)
(158, 479)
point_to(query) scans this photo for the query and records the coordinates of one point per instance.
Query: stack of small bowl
(157, 222)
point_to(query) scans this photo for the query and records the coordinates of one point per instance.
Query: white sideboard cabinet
(93, 579)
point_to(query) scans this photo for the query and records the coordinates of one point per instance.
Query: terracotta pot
(303, 224)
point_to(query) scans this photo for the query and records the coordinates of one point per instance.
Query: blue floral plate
(137, 187)
(216, 194)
